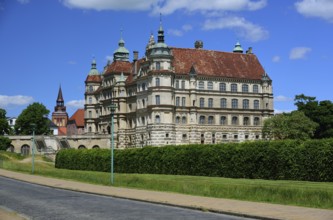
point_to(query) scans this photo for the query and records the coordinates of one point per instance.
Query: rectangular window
(255, 89)
(222, 87)
(177, 84)
(183, 84)
(183, 101)
(157, 99)
(223, 103)
(210, 85)
(210, 103)
(233, 87)
(202, 85)
(234, 103)
(256, 104)
(177, 101)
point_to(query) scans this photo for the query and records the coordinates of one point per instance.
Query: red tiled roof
(62, 130)
(94, 78)
(119, 67)
(216, 63)
(78, 117)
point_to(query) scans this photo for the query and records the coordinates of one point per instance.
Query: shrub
(309, 160)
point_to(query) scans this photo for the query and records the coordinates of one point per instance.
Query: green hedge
(310, 160)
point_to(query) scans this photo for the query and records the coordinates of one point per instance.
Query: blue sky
(47, 43)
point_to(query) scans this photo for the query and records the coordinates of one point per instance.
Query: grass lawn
(307, 194)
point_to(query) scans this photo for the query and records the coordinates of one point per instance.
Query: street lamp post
(33, 148)
(112, 109)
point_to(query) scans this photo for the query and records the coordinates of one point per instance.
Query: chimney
(198, 44)
(135, 55)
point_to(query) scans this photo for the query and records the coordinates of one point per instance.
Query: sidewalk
(227, 206)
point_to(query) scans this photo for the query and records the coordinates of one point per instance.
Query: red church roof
(78, 117)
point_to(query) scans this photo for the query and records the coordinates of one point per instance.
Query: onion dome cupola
(238, 48)
(93, 70)
(121, 54)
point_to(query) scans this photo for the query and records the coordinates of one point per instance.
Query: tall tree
(4, 126)
(4, 143)
(320, 112)
(294, 125)
(33, 114)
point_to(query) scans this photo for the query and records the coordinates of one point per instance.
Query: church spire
(60, 99)
(60, 102)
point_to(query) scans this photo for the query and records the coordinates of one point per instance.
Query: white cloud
(170, 6)
(243, 28)
(279, 111)
(299, 53)
(23, 1)
(75, 104)
(166, 6)
(180, 32)
(100, 5)
(316, 8)
(16, 100)
(281, 98)
(72, 62)
(276, 59)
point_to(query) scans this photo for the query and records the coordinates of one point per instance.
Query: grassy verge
(307, 194)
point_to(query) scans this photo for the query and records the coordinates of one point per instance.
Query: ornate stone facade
(179, 96)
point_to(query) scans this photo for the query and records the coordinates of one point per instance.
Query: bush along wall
(310, 160)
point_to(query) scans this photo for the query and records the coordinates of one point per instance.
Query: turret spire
(160, 32)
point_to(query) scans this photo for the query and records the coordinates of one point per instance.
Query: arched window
(183, 84)
(81, 147)
(223, 103)
(233, 87)
(210, 120)
(234, 103)
(202, 102)
(157, 82)
(210, 85)
(143, 120)
(255, 89)
(256, 121)
(223, 120)
(11, 149)
(246, 104)
(183, 120)
(234, 120)
(246, 121)
(210, 103)
(177, 120)
(177, 84)
(90, 100)
(95, 147)
(222, 87)
(158, 65)
(202, 119)
(201, 85)
(157, 119)
(25, 150)
(245, 88)
(89, 129)
(256, 104)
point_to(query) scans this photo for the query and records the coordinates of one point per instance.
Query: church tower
(60, 116)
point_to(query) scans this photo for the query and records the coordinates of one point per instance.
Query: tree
(4, 126)
(4, 143)
(33, 114)
(294, 125)
(319, 112)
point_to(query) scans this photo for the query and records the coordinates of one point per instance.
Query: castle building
(177, 96)
(60, 116)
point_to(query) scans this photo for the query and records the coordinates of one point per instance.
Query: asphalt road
(40, 202)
